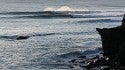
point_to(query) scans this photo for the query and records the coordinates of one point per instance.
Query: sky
(21, 5)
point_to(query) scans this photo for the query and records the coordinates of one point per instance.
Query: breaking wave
(99, 20)
(62, 12)
(76, 54)
(15, 15)
(18, 37)
(63, 8)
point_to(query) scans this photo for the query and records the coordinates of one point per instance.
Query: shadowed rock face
(113, 44)
(112, 39)
(121, 54)
(123, 20)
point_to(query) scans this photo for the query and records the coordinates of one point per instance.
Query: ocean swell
(60, 14)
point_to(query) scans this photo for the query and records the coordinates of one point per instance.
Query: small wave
(93, 16)
(79, 53)
(99, 20)
(45, 34)
(77, 33)
(23, 37)
(39, 16)
(62, 33)
(8, 37)
(56, 15)
(62, 12)
(46, 14)
(73, 55)
(15, 37)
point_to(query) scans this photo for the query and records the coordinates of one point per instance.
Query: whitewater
(58, 31)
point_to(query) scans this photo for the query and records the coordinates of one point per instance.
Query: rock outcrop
(113, 42)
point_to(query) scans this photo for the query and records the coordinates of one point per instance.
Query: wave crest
(49, 9)
(63, 8)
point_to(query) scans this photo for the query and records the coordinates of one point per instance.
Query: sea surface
(58, 31)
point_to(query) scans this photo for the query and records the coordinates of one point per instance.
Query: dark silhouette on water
(123, 20)
(113, 42)
(22, 37)
(113, 47)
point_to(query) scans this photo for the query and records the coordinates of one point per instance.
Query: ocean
(58, 31)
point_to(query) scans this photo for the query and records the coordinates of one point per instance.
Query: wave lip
(46, 14)
(76, 54)
(99, 20)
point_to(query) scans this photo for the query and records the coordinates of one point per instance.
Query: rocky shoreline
(113, 47)
(97, 63)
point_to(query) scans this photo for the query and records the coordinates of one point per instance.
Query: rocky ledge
(113, 45)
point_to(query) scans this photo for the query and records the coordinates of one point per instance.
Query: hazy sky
(105, 2)
(41, 4)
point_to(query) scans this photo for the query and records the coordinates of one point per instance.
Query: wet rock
(72, 61)
(121, 55)
(82, 56)
(112, 38)
(71, 67)
(22, 37)
(113, 43)
(96, 62)
(96, 57)
(123, 20)
(105, 68)
(101, 61)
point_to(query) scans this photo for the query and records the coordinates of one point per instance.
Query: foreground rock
(97, 63)
(113, 44)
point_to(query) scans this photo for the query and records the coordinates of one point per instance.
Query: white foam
(49, 9)
(63, 8)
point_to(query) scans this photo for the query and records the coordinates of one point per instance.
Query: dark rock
(82, 56)
(96, 57)
(105, 68)
(112, 38)
(22, 37)
(71, 66)
(123, 20)
(72, 61)
(113, 42)
(121, 55)
(103, 61)
(96, 62)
